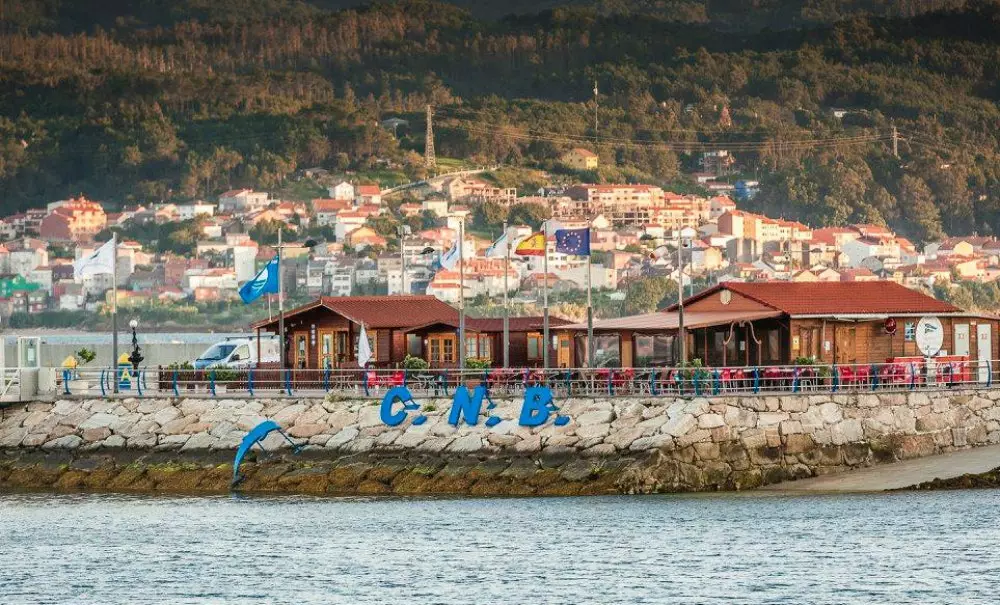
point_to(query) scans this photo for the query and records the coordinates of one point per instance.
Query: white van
(239, 352)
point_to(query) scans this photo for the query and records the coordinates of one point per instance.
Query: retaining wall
(621, 445)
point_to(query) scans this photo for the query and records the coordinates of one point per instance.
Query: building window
(534, 346)
(471, 347)
(485, 351)
(442, 349)
(372, 340)
(413, 345)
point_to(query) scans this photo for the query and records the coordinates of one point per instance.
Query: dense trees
(173, 100)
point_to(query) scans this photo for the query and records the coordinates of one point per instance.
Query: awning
(666, 322)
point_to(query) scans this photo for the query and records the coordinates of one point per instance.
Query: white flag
(450, 258)
(498, 249)
(101, 260)
(364, 348)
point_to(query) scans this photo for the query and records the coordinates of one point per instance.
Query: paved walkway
(900, 474)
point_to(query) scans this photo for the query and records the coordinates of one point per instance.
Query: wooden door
(809, 342)
(300, 350)
(845, 343)
(441, 349)
(327, 349)
(563, 356)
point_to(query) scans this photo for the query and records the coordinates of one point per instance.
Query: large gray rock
(596, 417)
(99, 420)
(68, 442)
(166, 415)
(200, 441)
(466, 444)
(342, 437)
(680, 425)
(710, 421)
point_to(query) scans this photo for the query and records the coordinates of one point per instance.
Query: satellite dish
(930, 336)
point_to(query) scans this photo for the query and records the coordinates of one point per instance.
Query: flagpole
(545, 296)
(114, 308)
(680, 297)
(461, 295)
(281, 305)
(506, 301)
(590, 304)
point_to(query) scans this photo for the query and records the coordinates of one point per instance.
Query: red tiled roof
(517, 324)
(835, 298)
(379, 312)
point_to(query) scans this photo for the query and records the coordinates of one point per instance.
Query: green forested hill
(145, 100)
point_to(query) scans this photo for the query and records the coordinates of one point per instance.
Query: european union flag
(265, 282)
(573, 241)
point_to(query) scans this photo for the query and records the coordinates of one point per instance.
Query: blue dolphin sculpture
(256, 436)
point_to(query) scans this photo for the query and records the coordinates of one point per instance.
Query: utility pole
(895, 141)
(430, 161)
(595, 112)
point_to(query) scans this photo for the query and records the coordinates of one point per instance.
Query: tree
(488, 215)
(529, 214)
(916, 204)
(645, 295)
(266, 232)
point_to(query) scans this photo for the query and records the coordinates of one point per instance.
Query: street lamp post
(136, 357)
(402, 231)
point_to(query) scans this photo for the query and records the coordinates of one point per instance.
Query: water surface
(941, 547)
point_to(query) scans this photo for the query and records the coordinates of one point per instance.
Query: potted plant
(224, 378)
(83, 357)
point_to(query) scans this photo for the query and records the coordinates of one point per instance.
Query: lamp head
(133, 324)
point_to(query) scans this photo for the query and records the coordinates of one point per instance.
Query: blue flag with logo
(573, 241)
(265, 282)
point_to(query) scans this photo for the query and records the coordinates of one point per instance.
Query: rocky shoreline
(987, 480)
(607, 445)
(211, 473)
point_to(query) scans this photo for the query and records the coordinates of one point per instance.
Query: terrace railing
(584, 382)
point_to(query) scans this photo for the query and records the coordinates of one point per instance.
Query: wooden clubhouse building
(731, 324)
(775, 323)
(324, 333)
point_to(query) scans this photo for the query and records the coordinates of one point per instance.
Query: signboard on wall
(930, 335)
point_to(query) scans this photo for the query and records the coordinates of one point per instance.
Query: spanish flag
(533, 245)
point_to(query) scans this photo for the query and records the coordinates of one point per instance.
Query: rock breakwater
(621, 445)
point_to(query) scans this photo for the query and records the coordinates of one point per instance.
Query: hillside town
(370, 241)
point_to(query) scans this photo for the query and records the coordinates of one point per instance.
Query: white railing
(10, 384)
(650, 381)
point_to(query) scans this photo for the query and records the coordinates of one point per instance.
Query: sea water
(928, 547)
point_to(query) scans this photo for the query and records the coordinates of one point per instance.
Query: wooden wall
(872, 344)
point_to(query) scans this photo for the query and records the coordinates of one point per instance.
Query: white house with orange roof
(325, 209)
(364, 237)
(719, 205)
(239, 201)
(368, 194)
(342, 191)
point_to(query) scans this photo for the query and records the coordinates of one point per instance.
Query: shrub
(477, 364)
(86, 355)
(415, 363)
